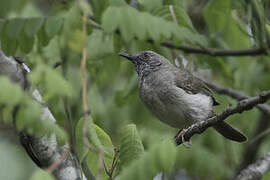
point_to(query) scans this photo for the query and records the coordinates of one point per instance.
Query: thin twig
(243, 105)
(204, 50)
(84, 85)
(110, 172)
(100, 163)
(85, 105)
(214, 51)
(84, 89)
(173, 14)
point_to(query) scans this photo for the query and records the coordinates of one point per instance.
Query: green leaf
(98, 8)
(30, 118)
(93, 138)
(157, 28)
(150, 4)
(236, 35)
(159, 158)
(221, 19)
(130, 145)
(92, 158)
(14, 27)
(53, 26)
(180, 14)
(41, 175)
(43, 39)
(55, 85)
(77, 41)
(217, 14)
(2, 23)
(99, 139)
(108, 25)
(118, 3)
(32, 26)
(99, 45)
(106, 141)
(26, 43)
(10, 93)
(10, 35)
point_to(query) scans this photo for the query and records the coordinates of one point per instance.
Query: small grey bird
(175, 96)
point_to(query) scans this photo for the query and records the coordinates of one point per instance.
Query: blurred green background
(114, 26)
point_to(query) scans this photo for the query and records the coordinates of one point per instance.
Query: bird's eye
(146, 56)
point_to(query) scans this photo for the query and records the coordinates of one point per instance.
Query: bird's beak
(128, 56)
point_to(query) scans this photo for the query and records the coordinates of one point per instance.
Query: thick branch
(257, 170)
(43, 151)
(243, 105)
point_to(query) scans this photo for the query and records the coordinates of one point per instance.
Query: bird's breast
(173, 106)
(163, 104)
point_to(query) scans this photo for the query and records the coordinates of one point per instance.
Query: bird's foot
(181, 134)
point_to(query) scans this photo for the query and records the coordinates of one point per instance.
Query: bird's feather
(191, 84)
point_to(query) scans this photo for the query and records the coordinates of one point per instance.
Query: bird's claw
(181, 134)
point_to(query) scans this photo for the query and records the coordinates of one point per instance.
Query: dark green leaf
(43, 39)
(159, 158)
(2, 23)
(98, 8)
(53, 26)
(10, 35)
(217, 14)
(131, 145)
(181, 17)
(26, 43)
(32, 26)
(93, 138)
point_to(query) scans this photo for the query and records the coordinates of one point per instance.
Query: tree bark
(44, 151)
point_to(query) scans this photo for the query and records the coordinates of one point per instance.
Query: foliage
(45, 33)
(130, 145)
(159, 158)
(101, 141)
(41, 175)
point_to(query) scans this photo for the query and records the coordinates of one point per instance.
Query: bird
(175, 96)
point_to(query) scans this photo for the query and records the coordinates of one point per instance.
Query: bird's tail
(229, 132)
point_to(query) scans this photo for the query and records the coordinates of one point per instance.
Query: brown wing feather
(191, 84)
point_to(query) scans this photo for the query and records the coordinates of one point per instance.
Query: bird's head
(145, 62)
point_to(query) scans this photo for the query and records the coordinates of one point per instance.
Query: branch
(243, 105)
(252, 148)
(257, 170)
(214, 51)
(238, 95)
(43, 151)
(205, 51)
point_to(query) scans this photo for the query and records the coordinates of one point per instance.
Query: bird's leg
(181, 134)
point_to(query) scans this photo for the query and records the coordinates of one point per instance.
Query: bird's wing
(191, 84)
